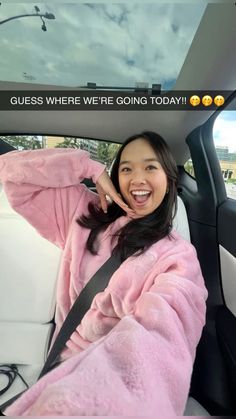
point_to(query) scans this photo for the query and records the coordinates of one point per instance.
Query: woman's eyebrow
(145, 160)
(124, 162)
(151, 159)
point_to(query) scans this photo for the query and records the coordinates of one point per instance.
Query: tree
(107, 151)
(189, 168)
(24, 142)
(69, 143)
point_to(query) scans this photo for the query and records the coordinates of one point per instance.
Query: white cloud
(110, 44)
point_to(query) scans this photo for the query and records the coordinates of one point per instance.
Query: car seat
(29, 267)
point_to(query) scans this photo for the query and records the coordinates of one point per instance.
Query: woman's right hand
(105, 187)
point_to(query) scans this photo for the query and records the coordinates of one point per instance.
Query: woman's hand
(105, 187)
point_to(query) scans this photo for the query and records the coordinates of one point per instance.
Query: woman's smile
(139, 198)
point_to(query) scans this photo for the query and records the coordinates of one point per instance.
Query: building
(90, 145)
(227, 162)
(222, 153)
(52, 142)
(232, 157)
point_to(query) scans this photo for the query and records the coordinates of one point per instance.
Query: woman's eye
(151, 167)
(125, 169)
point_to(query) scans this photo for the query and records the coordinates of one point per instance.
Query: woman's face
(142, 180)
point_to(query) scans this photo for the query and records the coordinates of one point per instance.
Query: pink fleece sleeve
(44, 187)
(173, 310)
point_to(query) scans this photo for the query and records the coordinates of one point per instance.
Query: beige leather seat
(29, 267)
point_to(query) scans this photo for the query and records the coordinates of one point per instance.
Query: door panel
(228, 274)
(226, 225)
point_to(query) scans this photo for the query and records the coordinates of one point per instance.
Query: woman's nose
(138, 179)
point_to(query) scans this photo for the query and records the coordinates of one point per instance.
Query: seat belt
(96, 284)
(82, 304)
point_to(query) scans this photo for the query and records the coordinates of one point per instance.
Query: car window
(103, 151)
(188, 167)
(224, 134)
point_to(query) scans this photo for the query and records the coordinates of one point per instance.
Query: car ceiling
(209, 65)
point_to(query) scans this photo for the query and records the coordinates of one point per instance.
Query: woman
(134, 350)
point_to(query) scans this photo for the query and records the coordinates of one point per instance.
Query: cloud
(109, 44)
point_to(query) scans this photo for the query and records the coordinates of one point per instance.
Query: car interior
(206, 216)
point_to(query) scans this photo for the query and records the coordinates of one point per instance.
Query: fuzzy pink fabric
(134, 350)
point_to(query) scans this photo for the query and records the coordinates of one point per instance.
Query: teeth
(140, 192)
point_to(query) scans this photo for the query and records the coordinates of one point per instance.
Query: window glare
(224, 135)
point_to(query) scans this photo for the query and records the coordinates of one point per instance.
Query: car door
(212, 220)
(226, 233)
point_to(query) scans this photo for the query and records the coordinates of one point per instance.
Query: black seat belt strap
(97, 284)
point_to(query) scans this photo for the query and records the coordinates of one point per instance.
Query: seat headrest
(5, 207)
(180, 222)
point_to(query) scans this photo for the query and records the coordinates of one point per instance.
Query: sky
(109, 44)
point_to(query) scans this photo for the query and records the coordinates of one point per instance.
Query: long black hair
(139, 234)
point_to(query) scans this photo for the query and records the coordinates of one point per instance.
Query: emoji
(194, 100)
(219, 100)
(207, 100)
